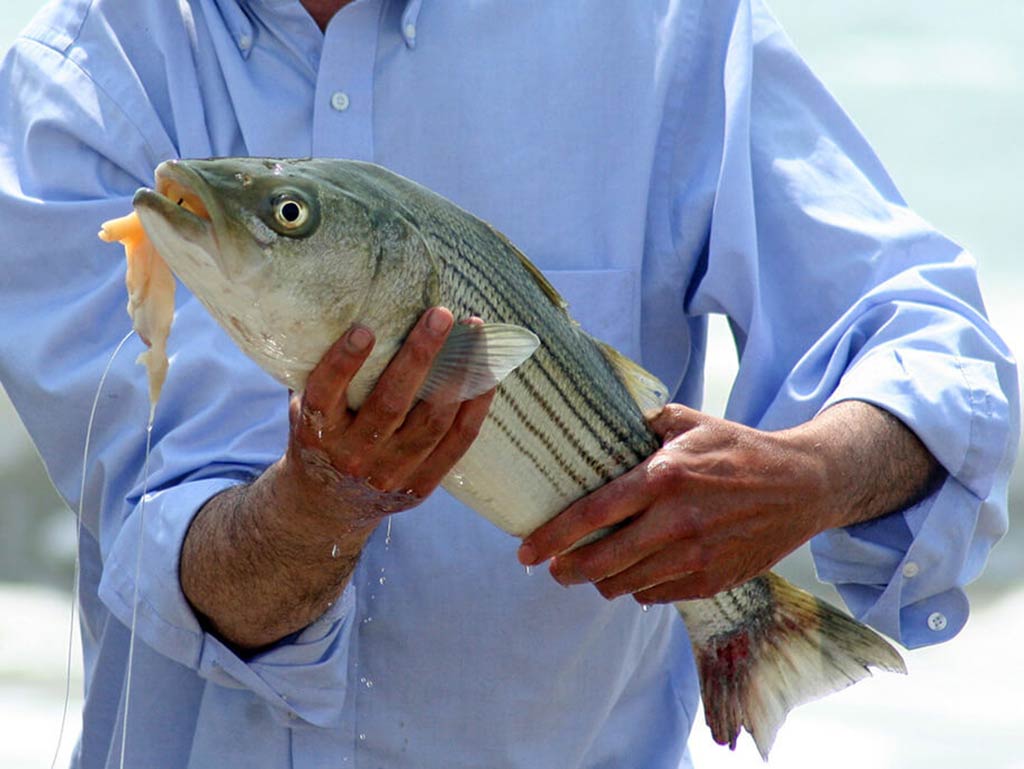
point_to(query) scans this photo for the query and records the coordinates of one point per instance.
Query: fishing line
(78, 546)
(135, 588)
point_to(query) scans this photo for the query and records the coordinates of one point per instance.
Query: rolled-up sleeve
(302, 676)
(836, 290)
(72, 152)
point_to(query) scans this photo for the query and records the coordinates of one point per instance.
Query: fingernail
(527, 555)
(439, 321)
(359, 339)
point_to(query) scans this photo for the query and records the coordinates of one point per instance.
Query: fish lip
(175, 184)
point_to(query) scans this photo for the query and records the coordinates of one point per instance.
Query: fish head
(282, 255)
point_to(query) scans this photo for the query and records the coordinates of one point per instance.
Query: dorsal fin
(649, 392)
(549, 291)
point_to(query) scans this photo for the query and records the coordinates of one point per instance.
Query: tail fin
(765, 647)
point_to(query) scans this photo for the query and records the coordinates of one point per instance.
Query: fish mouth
(183, 205)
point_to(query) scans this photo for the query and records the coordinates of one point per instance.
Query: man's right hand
(264, 560)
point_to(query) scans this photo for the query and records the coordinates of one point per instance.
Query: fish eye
(290, 212)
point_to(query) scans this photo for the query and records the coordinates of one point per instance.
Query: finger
(424, 428)
(611, 504)
(387, 405)
(455, 443)
(691, 587)
(323, 400)
(675, 419)
(681, 560)
(662, 525)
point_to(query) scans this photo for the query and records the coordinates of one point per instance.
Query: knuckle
(591, 567)
(466, 429)
(593, 515)
(683, 524)
(349, 465)
(419, 351)
(666, 473)
(437, 422)
(389, 407)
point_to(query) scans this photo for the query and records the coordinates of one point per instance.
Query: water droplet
(362, 736)
(374, 436)
(335, 551)
(369, 683)
(382, 580)
(320, 433)
(367, 620)
(387, 534)
(529, 571)
(645, 607)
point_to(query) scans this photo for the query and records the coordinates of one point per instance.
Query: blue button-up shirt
(660, 162)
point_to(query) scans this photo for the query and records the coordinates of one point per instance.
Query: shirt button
(245, 42)
(410, 31)
(340, 101)
(911, 569)
(937, 621)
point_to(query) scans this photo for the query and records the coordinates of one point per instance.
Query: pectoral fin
(476, 358)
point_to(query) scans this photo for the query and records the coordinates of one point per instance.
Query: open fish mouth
(181, 208)
(177, 199)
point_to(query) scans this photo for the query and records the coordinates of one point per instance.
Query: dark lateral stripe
(581, 451)
(523, 306)
(544, 440)
(541, 364)
(517, 444)
(598, 409)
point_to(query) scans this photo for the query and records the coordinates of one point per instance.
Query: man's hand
(263, 560)
(721, 503)
(340, 462)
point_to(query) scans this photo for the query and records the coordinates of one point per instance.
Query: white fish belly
(536, 453)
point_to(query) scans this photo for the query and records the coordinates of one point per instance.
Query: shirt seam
(973, 400)
(677, 114)
(65, 55)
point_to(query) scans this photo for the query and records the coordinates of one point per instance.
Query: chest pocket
(605, 303)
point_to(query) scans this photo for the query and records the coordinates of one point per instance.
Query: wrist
(824, 472)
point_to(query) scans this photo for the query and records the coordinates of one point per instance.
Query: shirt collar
(241, 27)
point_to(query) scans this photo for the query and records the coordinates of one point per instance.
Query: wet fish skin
(378, 249)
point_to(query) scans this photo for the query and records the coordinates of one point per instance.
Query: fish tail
(767, 646)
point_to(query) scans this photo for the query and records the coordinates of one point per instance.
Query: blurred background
(938, 88)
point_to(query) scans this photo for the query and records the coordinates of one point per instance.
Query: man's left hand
(721, 503)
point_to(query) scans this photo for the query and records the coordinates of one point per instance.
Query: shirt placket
(343, 111)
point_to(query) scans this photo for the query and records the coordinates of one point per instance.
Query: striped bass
(288, 254)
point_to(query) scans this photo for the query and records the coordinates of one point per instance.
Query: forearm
(264, 560)
(258, 564)
(874, 464)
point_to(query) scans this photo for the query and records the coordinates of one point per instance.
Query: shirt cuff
(904, 573)
(302, 677)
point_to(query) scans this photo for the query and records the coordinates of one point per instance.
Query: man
(658, 165)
